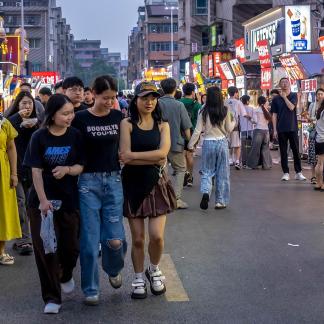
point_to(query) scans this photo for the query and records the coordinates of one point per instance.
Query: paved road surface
(230, 266)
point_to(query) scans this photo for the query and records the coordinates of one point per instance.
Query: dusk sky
(110, 21)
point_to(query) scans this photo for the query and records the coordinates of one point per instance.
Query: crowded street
(259, 261)
(162, 161)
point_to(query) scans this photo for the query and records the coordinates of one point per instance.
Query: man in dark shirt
(73, 88)
(285, 128)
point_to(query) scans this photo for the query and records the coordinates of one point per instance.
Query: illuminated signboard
(227, 71)
(47, 77)
(264, 53)
(293, 67)
(237, 67)
(298, 28)
(240, 50)
(321, 44)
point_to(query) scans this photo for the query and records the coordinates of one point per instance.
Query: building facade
(86, 52)
(49, 36)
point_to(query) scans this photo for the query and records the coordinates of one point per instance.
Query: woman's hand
(13, 181)
(24, 113)
(45, 206)
(162, 162)
(60, 171)
(126, 157)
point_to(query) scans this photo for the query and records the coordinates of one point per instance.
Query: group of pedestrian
(69, 166)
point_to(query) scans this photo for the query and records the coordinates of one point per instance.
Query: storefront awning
(313, 63)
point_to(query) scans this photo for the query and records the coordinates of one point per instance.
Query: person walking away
(100, 191)
(73, 88)
(144, 146)
(319, 147)
(261, 136)
(58, 88)
(285, 128)
(246, 129)
(123, 104)
(9, 218)
(217, 122)
(312, 112)
(88, 97)
(237, 109)
(44, 95)
(176, 114)
(193, 108)
(24, 119)
(55, 154)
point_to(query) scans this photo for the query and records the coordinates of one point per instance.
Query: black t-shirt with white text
(286, 118)
(47, 151)
(101, 139)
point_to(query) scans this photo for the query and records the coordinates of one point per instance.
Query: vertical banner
(210, 66)
(240, 50)
(321, 44)
(266, 64)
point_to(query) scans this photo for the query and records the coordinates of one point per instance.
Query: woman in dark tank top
(144, 145)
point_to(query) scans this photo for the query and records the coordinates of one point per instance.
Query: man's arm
(274, 123)
(289, 104)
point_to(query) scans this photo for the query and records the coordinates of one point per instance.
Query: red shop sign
(264, 53)
(210, 66)
(309, 85)
(13, 49)
(47, 77)
(321, 44)
(240, 50)
(266, 78)
(293, 67)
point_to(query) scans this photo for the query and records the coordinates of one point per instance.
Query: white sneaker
(285, 177)
(156, 280)
(68, 287)
(52, 308)
(231, 162)
(181, 204)
(91, 300)
(300, 176)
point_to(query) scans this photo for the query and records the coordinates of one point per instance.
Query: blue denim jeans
(215, 163)
(101, 211)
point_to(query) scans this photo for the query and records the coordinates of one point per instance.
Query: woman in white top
(319, 147)
(216, 122)
(260, 151)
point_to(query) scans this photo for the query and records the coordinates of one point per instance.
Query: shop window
(205, 38)
(37, 67)
(34, 42)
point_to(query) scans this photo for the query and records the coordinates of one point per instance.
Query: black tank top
(139, 180)
(145, 140)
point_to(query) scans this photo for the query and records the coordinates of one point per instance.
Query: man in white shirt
(237, 108)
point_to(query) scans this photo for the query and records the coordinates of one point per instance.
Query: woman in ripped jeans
(100, 191)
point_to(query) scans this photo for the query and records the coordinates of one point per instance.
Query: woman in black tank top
(144, 145)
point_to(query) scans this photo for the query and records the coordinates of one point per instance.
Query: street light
(171, 8)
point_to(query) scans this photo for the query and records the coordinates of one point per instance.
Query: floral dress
(9, 217)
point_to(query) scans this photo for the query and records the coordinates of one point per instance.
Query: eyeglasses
(76, 89)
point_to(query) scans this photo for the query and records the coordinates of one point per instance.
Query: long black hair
(135, 117)
(15, 107)
(214, 107)
(54, 104)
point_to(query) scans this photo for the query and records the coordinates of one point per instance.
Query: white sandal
(6, 259)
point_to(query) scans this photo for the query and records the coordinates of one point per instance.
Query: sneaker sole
(91, 303)
(220, 207)
(139, 296)
(114, 286)
(154, 292)
(204, 202)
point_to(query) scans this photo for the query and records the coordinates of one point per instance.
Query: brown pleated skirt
(160, 201)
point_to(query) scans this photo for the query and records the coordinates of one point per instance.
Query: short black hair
(188, 89)
(274, 91)
(231, 91)
(71, 82)
(87, 89)
(262, 100)
(245, 99)
(178, 95)
(25, 84)
(120, 94)
(45, 91)
(319, 90)
(168, 85)
(284, 78)
(58, 85)
(103, 83)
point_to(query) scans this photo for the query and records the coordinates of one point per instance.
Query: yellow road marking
(175, 291)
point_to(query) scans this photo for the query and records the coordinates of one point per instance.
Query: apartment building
(86, 52)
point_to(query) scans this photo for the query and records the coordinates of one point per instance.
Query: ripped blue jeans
(101, 211)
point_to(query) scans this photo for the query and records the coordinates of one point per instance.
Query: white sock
(153, 267)
(139, 275)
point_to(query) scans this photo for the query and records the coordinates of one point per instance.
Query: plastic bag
(47, 231)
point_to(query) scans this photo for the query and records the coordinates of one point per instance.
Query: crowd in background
(90, 156)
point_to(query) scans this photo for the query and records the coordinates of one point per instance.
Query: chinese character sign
(240, 50)
(266, 78)
(293, 67)
(46, 77)
(264, 53)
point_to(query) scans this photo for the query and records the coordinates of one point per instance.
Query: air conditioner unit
(1, 4)
(221, 39)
